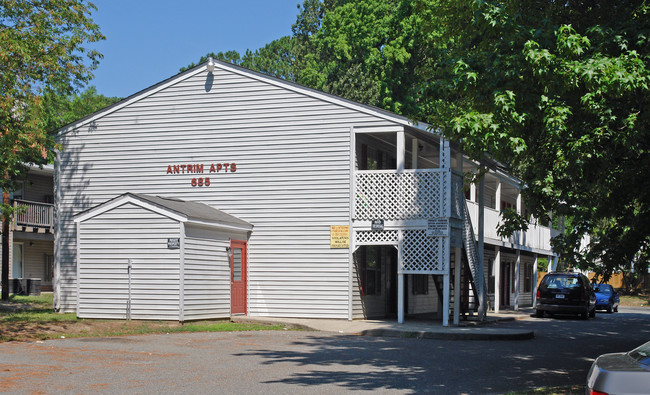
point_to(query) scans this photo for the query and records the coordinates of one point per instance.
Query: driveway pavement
(316, 362)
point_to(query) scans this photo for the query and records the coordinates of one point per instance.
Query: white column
(497, 196)
(534, 280)
(481, 232)
(497, 278)
(457, 267)
(400, 298)
(552, 263)
(401, 147)
(472, 192)
(400, 279)
(457, 255)
(414, 153)
(517, 282)
(445, 299)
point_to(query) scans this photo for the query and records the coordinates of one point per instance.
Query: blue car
(606, 298)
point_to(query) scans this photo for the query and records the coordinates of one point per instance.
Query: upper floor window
(19, 193)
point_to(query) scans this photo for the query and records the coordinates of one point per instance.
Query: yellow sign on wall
(339, 236)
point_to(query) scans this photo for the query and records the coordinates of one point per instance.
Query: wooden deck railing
(34, 214)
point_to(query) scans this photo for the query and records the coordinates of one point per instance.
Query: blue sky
(148, 41)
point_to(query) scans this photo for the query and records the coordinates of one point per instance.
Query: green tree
(43, 50)
(62, 109)
(558, 92)
(371, 51)
(275, 59)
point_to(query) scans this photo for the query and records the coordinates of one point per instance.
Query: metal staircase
(471, 252)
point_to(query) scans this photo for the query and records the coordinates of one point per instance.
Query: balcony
(33, 217)
(418, 195)
(399, 196)
(537, 237)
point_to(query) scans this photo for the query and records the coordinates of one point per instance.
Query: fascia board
(219, 225)
(124, 200)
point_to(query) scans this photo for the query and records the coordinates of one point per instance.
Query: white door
(17, 270)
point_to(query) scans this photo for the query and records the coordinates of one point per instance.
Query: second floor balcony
(33, 216)
(418, 195)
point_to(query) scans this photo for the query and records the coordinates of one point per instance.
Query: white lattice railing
(389, 195)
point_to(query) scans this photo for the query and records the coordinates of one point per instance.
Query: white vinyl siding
(107, 242)
(34, 259)
(425, 303)
(292, 181)
(207, 278)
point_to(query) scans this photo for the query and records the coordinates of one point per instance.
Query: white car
(621, 373)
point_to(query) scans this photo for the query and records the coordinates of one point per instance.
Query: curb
(448, 334)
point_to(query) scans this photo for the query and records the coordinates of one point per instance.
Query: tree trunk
(5, 251)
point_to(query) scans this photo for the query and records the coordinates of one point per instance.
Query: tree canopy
(555, 91)
(43, 52)
(559, 93)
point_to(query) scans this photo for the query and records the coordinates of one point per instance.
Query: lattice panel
(422, 254)
(376, 238)
(399, 196)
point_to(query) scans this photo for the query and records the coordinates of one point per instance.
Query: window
(370, 270)
(528, 277)
(420, 284)
(19, 193)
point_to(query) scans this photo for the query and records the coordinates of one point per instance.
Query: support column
(400, 298)
(458, 254)
(445, 299)
(480, 282)
(6, 246)
(401, 147)
(497, 196)
(400, 279)
(517, 282)
(552, 263)
(472, 192)
(534, 279)
(497, 278)
(414, 153)
(457, 267)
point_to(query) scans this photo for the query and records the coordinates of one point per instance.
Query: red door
(238, 277)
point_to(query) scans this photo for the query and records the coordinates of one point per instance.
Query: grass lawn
(640, 300)
(26, 318)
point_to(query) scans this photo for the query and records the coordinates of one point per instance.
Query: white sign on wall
(438, 227)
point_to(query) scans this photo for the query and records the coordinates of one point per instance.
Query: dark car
(566, 293)
(621, 373)
(606, 298)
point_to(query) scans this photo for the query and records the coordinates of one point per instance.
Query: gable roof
(180, 210)
(364, 108)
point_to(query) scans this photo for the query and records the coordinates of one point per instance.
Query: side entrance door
(238, 277)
